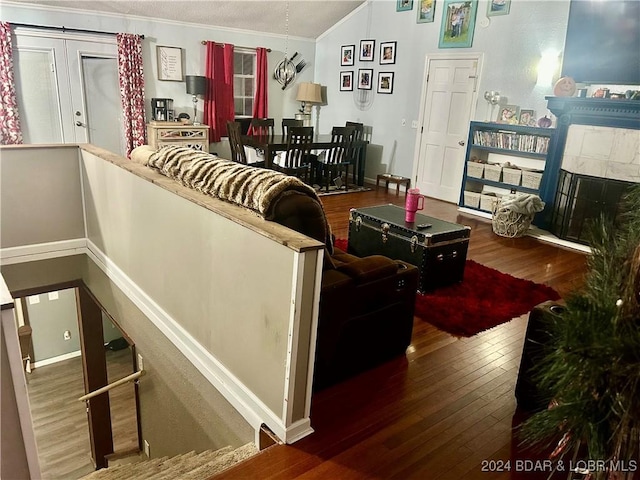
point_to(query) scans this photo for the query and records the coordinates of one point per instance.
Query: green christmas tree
(591, 367)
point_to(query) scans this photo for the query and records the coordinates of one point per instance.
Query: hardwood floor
(60, 420)
(447, 406)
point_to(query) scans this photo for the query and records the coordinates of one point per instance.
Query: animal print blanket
(251, 187)
(257, 189)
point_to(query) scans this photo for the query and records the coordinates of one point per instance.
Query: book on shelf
(511, 141)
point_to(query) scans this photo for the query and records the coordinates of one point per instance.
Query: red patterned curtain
(260, 103)
(218, 101)
(9, 118)
(131, 76)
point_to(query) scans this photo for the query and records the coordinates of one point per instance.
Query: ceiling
(307, 18)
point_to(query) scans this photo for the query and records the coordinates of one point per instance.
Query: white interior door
(40, 71)
(68, 91)
(445, 113)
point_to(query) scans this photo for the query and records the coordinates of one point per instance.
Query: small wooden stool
(387, 177)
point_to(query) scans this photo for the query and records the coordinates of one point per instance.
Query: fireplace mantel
(602, 112)
(595, 171)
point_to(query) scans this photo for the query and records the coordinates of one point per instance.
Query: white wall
(187, 37)
(50, 316)
(512, 46)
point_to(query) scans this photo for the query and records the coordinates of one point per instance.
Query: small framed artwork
(458, 23)
(509, 114)
(346, 81)
(387, 53)
(404, 5)
(498, 7)
(527, 117)
(169, 63)
(385, 82)
(347, 54)
(426, 9)
(367, 49)
(364, 78)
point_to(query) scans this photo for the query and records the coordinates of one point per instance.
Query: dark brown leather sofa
(366, 304)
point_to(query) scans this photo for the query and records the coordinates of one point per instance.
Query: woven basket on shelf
(508, 223)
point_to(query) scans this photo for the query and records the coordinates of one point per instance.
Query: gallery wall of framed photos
(456, 31)
(364, 77)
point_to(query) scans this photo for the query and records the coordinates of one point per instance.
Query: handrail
(117, 383)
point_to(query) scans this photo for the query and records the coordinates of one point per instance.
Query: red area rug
(484, 299)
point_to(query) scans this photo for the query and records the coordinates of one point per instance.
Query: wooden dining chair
(262, 126)
(335, 160)
(290, 122)
(239, 152)
(245, 123)
(295, 160)
(356, 150)
(235, 142)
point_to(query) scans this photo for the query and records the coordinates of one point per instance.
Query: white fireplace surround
(605, 152)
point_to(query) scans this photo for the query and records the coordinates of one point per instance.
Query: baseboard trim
(298, 430)
(42, 251)
(547, 237)
(252, 409)
(534, 232)
(57, 359)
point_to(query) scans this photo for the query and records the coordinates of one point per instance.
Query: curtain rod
(63, 29)
(204, 42)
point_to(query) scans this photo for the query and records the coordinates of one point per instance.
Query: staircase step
(176, 466)
(222, 463)
(159, 468)
(190, 465)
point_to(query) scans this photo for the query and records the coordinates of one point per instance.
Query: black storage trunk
(439, 251)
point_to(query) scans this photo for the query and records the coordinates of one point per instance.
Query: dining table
(271, 144)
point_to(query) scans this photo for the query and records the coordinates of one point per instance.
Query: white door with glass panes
(67, 90)
(448, 96)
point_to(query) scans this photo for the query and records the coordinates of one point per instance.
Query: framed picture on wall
(404, 5)
(169, 63)
(365, 78)
(458, 23)
(426, 9)
(387, 53)
(385, 82)
(347, 55)
(367, 50)
(346, 81)
(498, 7)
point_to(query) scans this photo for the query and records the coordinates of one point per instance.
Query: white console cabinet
(174, 133)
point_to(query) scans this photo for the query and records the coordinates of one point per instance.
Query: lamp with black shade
(196, 85)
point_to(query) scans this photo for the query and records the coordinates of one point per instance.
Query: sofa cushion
(370, 268)
(334, 279)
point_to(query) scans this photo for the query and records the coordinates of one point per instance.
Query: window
(244, 82)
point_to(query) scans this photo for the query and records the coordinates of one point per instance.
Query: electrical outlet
(67, 335)
(404, 122)
(147, 449)
(140, 362)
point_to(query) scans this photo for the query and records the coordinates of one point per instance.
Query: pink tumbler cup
(414, 202)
